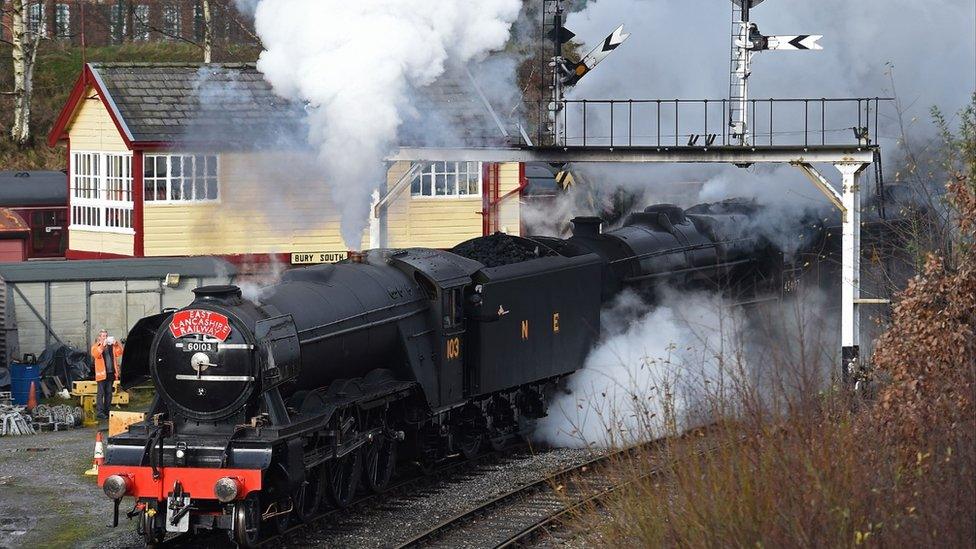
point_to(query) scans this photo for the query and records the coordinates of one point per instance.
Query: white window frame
(168, 179)
(118, 23)
(172, 21)
(101, 203)
(140, 22)
(432, 171)
(36, 19)
(62, 20)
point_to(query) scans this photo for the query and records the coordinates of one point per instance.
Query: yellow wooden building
(181, 160)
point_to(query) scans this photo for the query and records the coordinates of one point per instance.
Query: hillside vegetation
(58, 66)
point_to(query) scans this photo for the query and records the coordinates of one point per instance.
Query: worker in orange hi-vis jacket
(107, 354)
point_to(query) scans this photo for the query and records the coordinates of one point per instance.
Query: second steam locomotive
(340, 374)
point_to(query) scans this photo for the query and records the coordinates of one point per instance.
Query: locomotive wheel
(379, 464)
(247, 523)
(469, 443)
(150, 527)
(427, 449)
(344, 476)
(498, 441)
(469, 432)
(308, 498)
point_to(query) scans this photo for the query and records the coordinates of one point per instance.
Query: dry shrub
(899, 471)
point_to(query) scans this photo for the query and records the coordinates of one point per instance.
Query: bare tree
(207, 32)
(25, 35)
(211, 12)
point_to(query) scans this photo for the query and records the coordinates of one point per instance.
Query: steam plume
(650, 372)
(356, 64)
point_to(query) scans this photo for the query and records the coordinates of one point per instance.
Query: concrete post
(851, 267)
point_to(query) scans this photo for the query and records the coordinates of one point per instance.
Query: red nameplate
(200, 322)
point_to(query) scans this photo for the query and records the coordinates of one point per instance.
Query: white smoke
(256, 284)
(247, 7)
(356, 64)
(654, 369)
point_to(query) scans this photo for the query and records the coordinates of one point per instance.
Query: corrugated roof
(33, 188)
(11, 223)
(233, 105)
(115, 269)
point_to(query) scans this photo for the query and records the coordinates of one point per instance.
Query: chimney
(587, 227)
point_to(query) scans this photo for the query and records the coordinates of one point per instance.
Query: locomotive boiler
(335, 377)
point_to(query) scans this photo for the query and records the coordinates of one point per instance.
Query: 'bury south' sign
(199, 322)
(314, 258)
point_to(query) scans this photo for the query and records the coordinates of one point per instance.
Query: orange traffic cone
(32, 397)
(99, 457)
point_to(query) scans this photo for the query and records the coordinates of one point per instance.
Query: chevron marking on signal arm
(601, 52)
(795, 42)
(575, 71)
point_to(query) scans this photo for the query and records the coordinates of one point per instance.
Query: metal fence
(705, 122)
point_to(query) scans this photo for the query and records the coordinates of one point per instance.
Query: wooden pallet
(118, 421)
(82, 389)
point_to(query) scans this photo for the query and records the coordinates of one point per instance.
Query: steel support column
(851, 268)
(848, 201)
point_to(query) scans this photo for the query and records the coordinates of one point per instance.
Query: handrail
(773, 122)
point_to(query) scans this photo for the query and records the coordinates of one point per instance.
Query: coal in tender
(497, 250)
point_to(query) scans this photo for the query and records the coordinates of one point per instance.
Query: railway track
(535, 510)
(518, 517)
(403, 486)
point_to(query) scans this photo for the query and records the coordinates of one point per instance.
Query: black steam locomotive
(342, 373)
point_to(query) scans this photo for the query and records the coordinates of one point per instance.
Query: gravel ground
(45, 499)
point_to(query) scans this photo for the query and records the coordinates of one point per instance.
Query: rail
(806, 122)
(529, 510)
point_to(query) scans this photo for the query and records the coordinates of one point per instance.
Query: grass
(58, 67)
(822, 478)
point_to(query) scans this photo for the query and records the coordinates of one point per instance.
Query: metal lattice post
(851, 268)
(739, 80)
(552, 21)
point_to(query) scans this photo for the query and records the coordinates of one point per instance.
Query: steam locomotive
(340, 374)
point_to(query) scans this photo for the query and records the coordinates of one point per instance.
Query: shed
(40, 198)
(14, 233)
(19, 189)
(69, 301)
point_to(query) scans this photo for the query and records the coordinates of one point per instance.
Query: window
(180, 177)
(198, 22)
(172, 22)
(85, 181)
(35, 19)
(118, 23)
(141, 22)
(62, 20)
(101, 191)
(448, 179)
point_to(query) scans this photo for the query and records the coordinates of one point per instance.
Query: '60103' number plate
(199, 347)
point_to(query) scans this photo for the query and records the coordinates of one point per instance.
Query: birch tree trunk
(207, 32)
(24, 53)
